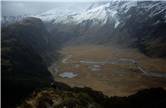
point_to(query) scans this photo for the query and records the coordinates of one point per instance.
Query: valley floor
(113, 70)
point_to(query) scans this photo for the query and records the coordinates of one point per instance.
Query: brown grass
(112, 79)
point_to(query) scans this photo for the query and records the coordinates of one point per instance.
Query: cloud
(75, 0)
(57, 0)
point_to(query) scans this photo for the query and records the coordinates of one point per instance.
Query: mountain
(29, 45)
(138, 24)
(23, 67)
(99, 13)
(62, 11)
(12, 19)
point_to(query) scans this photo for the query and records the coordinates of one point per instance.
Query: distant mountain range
(140, 24)
(102, 13)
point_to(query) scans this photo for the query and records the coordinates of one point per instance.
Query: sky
(59, 0)
(24, 8)
(74, 0)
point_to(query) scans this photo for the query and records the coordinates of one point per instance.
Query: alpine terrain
(105, 54)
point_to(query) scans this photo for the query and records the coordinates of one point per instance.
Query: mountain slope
(88, 98)
(138, 24)
(23, 68)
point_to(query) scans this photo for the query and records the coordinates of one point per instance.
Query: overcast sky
(77, 0)
(22, 8)
(25, 8)
(59, 0)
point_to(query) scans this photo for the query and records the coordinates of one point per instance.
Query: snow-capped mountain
(102, 13)
(5, 20)
(141, 24)
(129, 23)
(56, 16)
(97, 12)
(61, 13)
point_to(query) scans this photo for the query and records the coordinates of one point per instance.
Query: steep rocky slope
(23, 68)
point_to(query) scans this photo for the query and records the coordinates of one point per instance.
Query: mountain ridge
(126, 23)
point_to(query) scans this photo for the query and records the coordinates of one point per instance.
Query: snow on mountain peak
(99, 13)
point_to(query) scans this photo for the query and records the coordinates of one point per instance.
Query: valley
(109, 54)
(114, 70)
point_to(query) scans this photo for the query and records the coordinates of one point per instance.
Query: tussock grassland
(116, 79)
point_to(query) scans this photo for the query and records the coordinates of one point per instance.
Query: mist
(32, 8)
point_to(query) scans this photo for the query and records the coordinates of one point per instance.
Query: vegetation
(87, 98)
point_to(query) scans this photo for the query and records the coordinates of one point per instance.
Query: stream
(96, 65)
